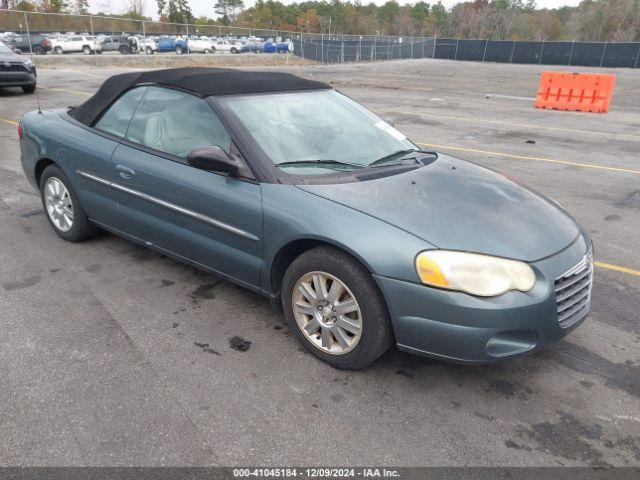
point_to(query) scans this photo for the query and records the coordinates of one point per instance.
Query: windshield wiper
(393, 156)
(401, 155)
(320, 162)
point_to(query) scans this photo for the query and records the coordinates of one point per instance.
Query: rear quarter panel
(49, 136)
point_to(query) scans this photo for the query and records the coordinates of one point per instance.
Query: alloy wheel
(327, 313)
(58, 204)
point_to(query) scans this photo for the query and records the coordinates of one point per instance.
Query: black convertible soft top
(203, 82)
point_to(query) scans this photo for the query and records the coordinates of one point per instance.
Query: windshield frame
(269, 171)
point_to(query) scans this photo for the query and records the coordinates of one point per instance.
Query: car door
(164, 43)
(208, 219)
(89, 156)
(108, 44)
(72, 44)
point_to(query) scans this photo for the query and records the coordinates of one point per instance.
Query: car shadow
(10, 91)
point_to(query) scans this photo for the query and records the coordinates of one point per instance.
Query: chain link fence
(29, 28)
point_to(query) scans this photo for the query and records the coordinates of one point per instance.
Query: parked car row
(59, 43)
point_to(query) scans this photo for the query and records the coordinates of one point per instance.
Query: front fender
(292, 214)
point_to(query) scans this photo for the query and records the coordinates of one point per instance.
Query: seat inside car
(177, 131)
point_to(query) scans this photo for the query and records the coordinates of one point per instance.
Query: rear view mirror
(214, 159)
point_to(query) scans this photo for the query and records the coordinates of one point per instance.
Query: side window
(117, 118)
(175, 122)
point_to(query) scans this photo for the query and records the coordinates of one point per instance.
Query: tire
(234, 50)
(207, 51)
(57, 50)
(86, 50)
(38, 50)
(99, 52)
(81, 228)
(29, 88)
(213, 49)
(149, 51)
(179, 50)
(364, 344)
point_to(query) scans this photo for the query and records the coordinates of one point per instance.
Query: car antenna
(38, 101)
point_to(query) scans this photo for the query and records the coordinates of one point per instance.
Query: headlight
(473, 273)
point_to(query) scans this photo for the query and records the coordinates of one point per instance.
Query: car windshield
(4, 48)
(316, 132)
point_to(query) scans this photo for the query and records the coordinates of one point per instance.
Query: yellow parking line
(89, 74)
(524, 157)
(77, 92)
(10, 122)
(512, 124)
(616, 268)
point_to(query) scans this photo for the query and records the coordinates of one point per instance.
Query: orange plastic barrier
(583, 92)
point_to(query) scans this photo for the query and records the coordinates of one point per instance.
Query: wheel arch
(288, 252)
(40, 166)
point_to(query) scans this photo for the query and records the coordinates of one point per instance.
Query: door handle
(125, 172)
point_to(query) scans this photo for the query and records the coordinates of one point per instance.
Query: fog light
(512, 342)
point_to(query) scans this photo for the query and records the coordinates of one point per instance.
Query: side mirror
(214, 159)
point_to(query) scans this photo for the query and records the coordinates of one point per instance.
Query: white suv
(77, 43)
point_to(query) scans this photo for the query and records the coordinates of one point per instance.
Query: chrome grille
(12, 67)
(573, 291)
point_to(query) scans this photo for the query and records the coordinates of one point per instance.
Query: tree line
(591, 20)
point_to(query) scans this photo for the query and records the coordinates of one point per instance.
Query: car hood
(10, 57)
(457, 205)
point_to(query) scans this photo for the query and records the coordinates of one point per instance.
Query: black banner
(320, 473)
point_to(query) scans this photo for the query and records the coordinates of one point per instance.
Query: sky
(205, 7)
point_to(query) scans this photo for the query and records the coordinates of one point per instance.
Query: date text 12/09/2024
(316, 472)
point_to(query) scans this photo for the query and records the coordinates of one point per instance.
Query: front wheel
(179, 50)
(62, 206)
(149, 51)
(86, 50)
(57, 50)
(29, 88)
(335, 309)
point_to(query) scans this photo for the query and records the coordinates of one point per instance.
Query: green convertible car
(291, 189)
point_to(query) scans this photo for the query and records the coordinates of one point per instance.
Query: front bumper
(17, 79)
(463, 328)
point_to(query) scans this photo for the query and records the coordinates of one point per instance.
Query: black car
(36, 43)
(16, 70)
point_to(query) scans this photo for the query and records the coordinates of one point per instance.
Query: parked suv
(16, 70)
(122, 43)
(40, 44)
(77, 43)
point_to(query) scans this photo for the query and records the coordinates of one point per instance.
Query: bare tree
(136, 7)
